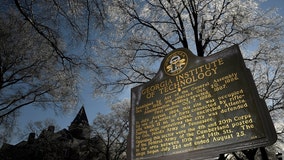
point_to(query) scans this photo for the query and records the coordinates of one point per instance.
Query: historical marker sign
(198, 107)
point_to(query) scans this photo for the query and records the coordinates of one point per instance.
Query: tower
(80, 127)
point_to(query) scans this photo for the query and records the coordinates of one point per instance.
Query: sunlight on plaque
(198, 107)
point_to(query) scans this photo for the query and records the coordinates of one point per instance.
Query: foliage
(147, 30)
(112, 129)
(32, 72)
(36, 127)
(143, 32)
(6, 128)
(74, 22)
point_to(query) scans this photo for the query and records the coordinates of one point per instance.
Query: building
(73, 143)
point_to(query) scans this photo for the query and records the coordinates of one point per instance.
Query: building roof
(81, 118)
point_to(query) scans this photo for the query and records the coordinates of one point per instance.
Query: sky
(279, 4)
(95, 105)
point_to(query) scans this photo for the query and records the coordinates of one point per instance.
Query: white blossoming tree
(147, 30)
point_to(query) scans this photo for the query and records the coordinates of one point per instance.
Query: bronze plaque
(198, 107)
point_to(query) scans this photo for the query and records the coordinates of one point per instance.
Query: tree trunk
(263, 153)
(221, 157)
(250, 153)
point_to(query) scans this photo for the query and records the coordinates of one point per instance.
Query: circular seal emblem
(175, 63)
